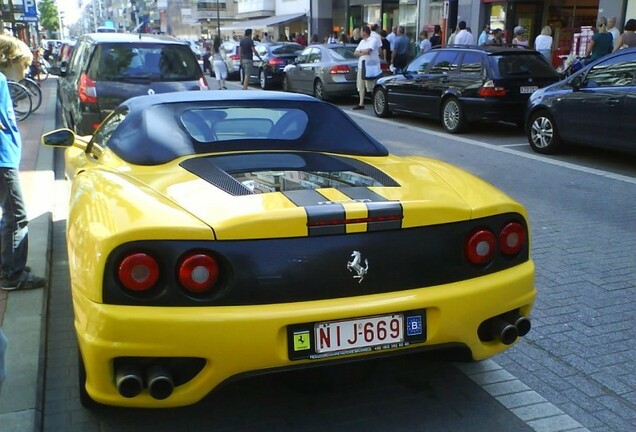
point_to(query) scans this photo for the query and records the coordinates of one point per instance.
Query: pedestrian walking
(436, 39)
(391, 37)
(543, 43)
(15, 57)
(368, 53)
(483, 37)
(628, 38)
(218, 58)
(497, 37)
(386, 47)
(207, 66)
(611, 27)
(521, 36)
(425, 44)
(602, 42)
(400, 54)
(246, 53)
(463, 37)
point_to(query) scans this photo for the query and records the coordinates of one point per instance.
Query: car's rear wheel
(286, 86)
(453, 118)
(263, 80)
(381, 102)
(319, 90)
(543, 135)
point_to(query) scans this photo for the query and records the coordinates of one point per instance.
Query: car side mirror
(59, 138)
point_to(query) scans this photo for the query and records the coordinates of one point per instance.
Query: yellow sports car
(214, 234)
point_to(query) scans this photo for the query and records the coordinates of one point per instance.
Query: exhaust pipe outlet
(128, 380)
(504, 331)
(159, 380)
(522, 323)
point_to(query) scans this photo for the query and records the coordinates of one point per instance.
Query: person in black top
(386, 47)
(246, 50)
(436, 39)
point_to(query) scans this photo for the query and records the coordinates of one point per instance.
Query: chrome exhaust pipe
(504, 331)
(522, 323)
(128, 380)
(159, 381)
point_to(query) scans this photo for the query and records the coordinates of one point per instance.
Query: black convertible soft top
(153, 131)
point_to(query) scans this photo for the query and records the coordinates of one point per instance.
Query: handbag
(371, 70)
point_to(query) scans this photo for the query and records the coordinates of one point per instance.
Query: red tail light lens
(512, 238)
(480, 247)
(384, 66)
(203, 83)
(138, 272)
(198, 273)
(490, 90)
(339, 69)
(86, 89)
(235, 57)
(276, 62)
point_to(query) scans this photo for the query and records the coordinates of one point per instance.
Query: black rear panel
(314, 268)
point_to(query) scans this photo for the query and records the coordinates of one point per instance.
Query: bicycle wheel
(43, 71)
(21, 99)
(34, 91)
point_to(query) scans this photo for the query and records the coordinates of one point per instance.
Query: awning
(263, 22)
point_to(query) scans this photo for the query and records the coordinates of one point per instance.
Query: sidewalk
(23, 313)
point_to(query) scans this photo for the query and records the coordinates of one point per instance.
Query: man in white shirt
(368, 50)
(391, 37)
(464, 37)
(611, 27)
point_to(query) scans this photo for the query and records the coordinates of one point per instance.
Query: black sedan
(268, 70)
(466, 84)
(594, 107)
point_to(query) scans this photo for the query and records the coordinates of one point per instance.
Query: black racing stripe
(317, 212)
(377, 206)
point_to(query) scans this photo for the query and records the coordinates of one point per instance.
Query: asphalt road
(580, 356)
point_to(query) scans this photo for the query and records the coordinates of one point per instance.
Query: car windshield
(291, 48)
(522, 65)
(343, 53)
(154, 62)
(233, 123)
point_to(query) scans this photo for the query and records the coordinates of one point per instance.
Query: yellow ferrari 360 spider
(212, 234)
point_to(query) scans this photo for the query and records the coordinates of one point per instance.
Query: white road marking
(532, 156)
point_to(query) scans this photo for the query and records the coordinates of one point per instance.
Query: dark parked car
(106, 69)
(596, 106)
(324, 71)
(463, 85)
(276, 55)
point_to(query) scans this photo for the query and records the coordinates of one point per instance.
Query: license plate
(358, 333)
(528, 89)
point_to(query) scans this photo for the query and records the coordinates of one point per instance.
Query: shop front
(350, 14)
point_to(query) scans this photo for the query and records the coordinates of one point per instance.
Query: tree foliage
(48, 15)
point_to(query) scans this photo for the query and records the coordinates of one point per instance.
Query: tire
(21, 98)
(43, 72)
(381, 102)
(319, 90)
(286, 85)
(34, 91)
(263, 81)
(542, 133)
(453, 119)
(85, 399)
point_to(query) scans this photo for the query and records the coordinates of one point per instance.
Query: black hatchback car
(596, 107)
(460, 85)
(276, 55)
(106, 69)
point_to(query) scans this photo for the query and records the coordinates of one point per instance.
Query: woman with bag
(220, 68)
(368, 53)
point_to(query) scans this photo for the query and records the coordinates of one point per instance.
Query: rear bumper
(234, 340)
(490, 110)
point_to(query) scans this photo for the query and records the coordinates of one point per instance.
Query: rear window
(522, 65)
(287, 49)
(343, 53)
(149, 62)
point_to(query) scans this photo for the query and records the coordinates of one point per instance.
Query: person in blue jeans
(15, 57)
(400, 54)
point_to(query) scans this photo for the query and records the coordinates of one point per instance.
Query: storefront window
(372, 14)
(408, 19)
(498, 17)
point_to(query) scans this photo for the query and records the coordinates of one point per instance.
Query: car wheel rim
(542, 132)
(451, 115)
(318, 90)
(379, 102)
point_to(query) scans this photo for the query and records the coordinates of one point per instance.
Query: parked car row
(106, 69)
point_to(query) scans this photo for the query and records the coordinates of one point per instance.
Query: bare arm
(588, 50)
(618, 44)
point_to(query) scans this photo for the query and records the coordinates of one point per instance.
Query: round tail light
(198, 273)
(480, 247)
(512, 238)
(138, 272)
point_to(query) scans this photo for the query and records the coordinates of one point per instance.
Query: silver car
(324, 71)
(232, 58)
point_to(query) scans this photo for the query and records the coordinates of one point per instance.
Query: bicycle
(21, 98)
(34, 91)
